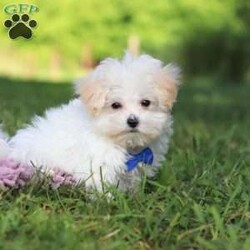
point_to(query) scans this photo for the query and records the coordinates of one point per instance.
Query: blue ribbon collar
(145, 156)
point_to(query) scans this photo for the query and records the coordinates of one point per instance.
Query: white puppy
(116, 130)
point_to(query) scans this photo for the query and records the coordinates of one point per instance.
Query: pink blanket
(15, 175)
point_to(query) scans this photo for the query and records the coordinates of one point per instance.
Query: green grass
(199, 201)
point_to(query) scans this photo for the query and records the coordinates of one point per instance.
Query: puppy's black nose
(132, 121)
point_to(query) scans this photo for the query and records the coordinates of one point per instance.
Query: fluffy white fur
(4, 148)
(89, 139)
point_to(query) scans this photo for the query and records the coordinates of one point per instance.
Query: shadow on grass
(213, 104)
(21, 99)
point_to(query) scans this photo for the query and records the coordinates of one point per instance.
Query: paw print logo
(20, 26)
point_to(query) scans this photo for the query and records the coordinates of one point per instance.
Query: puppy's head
(131, 100)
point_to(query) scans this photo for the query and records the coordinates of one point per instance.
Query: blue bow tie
(145, 156)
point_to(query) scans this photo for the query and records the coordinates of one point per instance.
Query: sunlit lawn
(199, 201)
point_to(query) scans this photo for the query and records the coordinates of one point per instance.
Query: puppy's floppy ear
(92, 93)
(169, 84)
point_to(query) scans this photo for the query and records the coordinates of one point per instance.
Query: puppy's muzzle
(132, 121)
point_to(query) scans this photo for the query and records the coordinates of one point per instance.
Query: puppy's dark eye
(145, 103)
(116, 105)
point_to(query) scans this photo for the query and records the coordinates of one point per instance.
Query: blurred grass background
(207, 38)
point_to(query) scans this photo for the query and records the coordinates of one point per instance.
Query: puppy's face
(130, 101)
